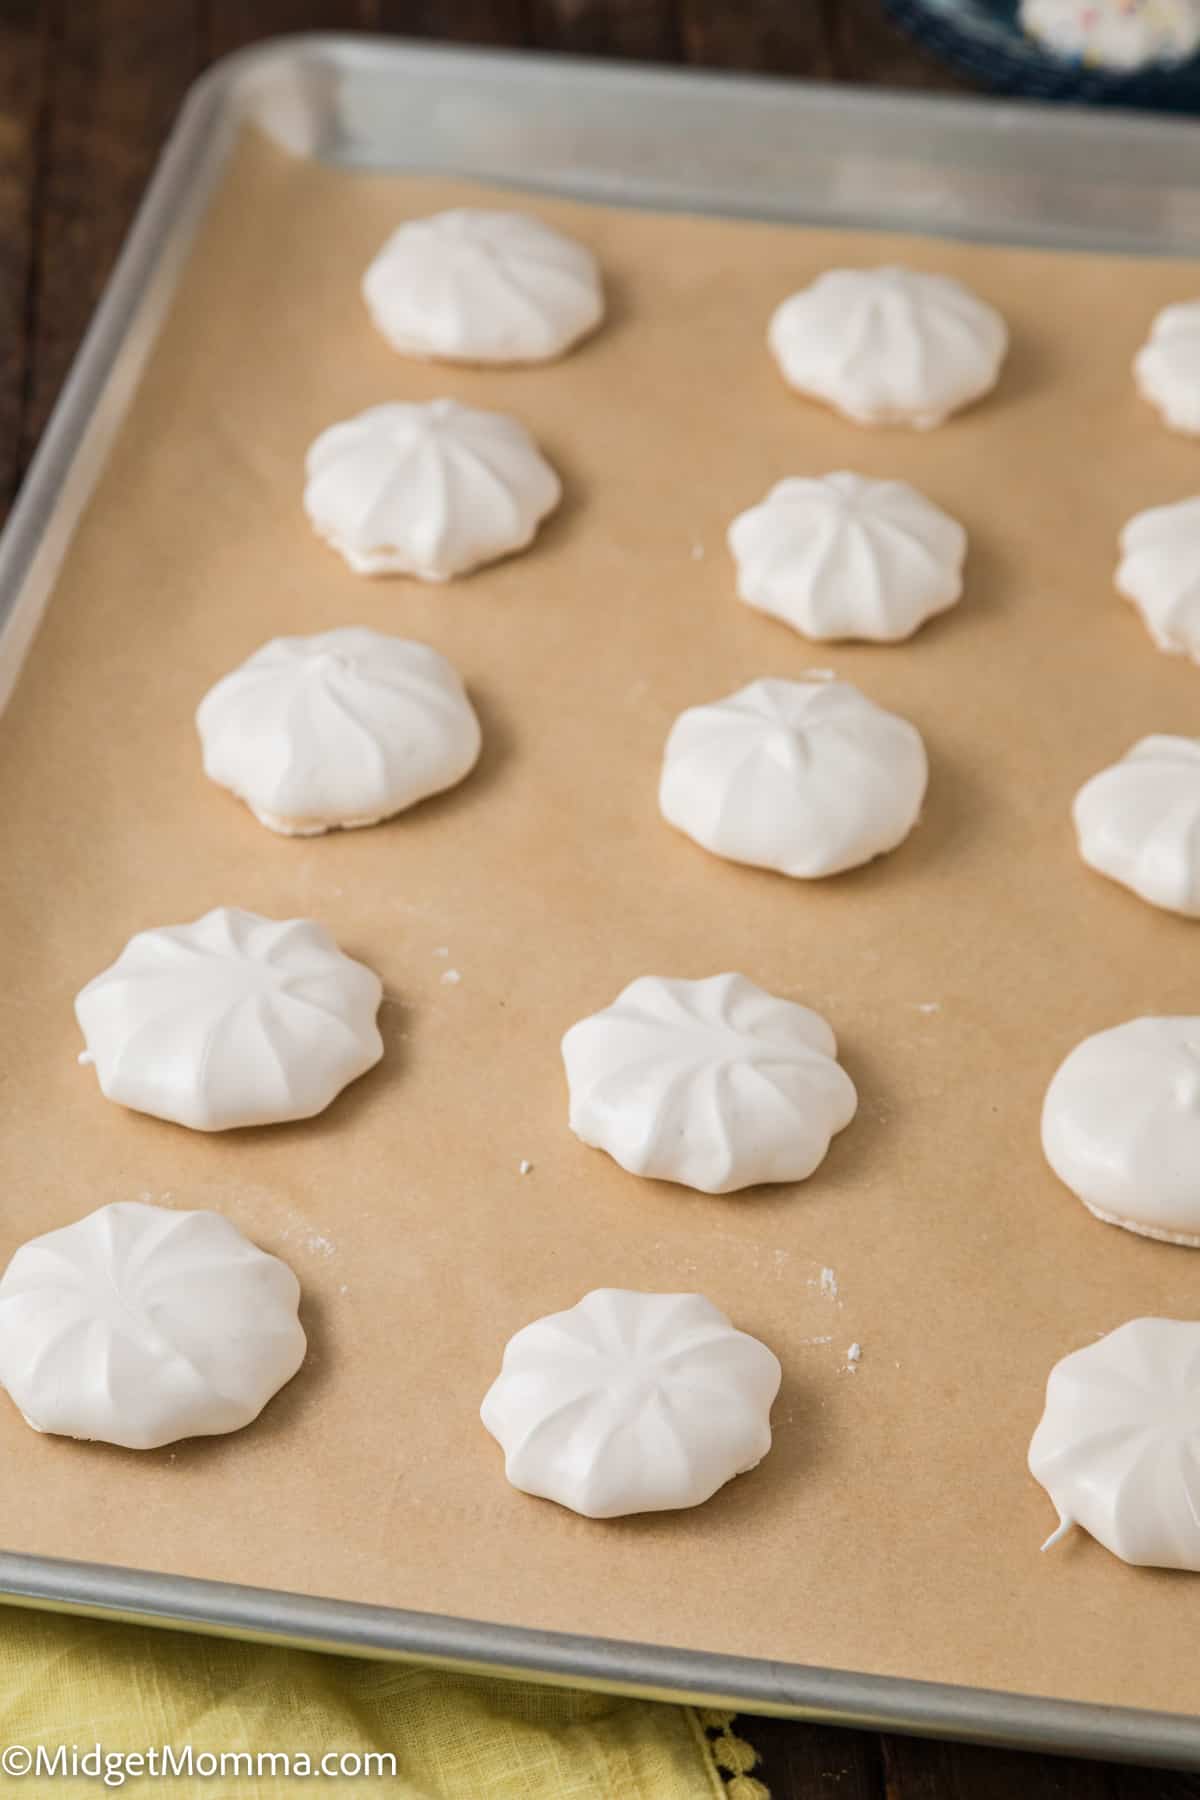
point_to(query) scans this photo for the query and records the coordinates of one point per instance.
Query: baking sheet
(893, 1529)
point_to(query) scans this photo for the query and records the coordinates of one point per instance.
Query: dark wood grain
(865, 46)
(772, 37)
(814, 1762)
(232, 24)
(916, 1769)
(88, 89)
(229, 25)
(113, 77)
(645, 29)
(22, 63)
(1152, 1784)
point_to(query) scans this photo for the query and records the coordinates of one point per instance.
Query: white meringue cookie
(232, 1020)
(805, 777)
(889, 346)
(847, 557)
(432, 491)
(715, 1084)
(1121, 1126)
(1116, 1448)
(1115, 34)
(138, 1325)
(1139, 822)
(342, 729)
(1167, 367)
(631, 1403)
(1160, 572)
(477, 286)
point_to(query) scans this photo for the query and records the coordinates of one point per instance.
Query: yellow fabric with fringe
(83, 1683)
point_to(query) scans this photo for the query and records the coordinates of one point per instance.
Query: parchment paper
(893, 1527)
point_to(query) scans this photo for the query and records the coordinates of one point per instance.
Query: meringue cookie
(1160, 572)
(477, 286)
(138, 1325)
(1117, 1445)
(1139, 822)
(631, 1403)
(345, 728)
(889, 346)
(806, 777)
(715, 1084)
(1167, 367)
(432, 491)
(1121, 1126)
(846, 557)
(232, 1020)
(1125, 35)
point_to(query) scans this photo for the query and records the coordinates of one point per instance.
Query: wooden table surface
(88, 90)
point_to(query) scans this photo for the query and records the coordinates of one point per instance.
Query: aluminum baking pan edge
(657, 1672)
(788, 151)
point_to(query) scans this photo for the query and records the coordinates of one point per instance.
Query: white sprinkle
(828, 1284)
(442, 950)
(85, 1058)
(697, 552)
(524, 1167)
(928, 1006)
(344, 1289)
(451, 978)
(817, 1340)
(853, 1355)
(321, 1246)
(820, 675)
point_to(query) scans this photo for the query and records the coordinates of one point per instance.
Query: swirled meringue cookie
(138, 1325)
(805, 777)
(232, 1020)
(715, 1084)
(1139, 822)
(1160, 572)
(342, 729)
(1167, 367)
(846, 557)
(631, 1403)
(1121, 1126)
(889, 346)
(476, 286)
(1118, 1443)
(1115, 34)
(432, 491)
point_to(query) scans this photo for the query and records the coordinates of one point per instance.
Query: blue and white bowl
(984, 39)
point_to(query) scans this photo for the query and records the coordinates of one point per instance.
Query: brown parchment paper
(894, 1527)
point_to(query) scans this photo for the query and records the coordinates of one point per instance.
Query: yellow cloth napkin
(79, 1683)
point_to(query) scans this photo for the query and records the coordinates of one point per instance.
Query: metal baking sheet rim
(35, 539)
